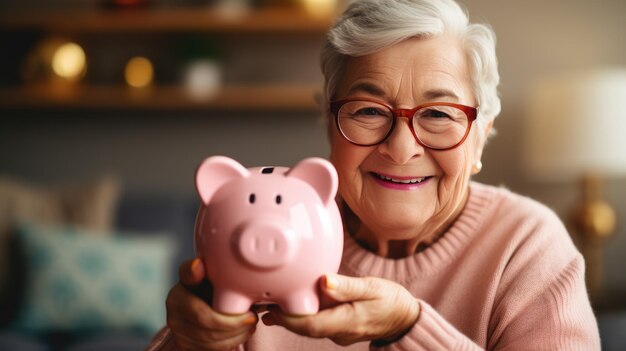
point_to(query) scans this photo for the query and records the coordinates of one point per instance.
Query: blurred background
(108, 106)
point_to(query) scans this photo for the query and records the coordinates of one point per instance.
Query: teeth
(407, 181)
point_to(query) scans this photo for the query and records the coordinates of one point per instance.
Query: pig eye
(252, 198)
(279, 199)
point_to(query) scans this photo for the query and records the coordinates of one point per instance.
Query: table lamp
(576, 131)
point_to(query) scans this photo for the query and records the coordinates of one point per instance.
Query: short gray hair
(368, 26)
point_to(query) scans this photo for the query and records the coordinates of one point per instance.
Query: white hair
(368, 26)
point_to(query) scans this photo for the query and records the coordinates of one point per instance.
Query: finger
(326, 323)
(347, 289)
(198, 327)
(191, 272)
(230, 322)
(181, 304)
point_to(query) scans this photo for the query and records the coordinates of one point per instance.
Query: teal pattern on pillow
(87, 283)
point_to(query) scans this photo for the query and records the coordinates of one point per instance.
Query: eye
(358, 109)
(252, 198)
(432, 113)
(279, 199)
(369, 111)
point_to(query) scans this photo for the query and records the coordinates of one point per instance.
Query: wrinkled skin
(392, 223)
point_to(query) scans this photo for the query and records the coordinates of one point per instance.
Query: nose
(266, 245)
(401, 145)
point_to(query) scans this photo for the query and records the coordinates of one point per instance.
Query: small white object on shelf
(203, 78)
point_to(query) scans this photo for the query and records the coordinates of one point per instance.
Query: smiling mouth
(400, 181)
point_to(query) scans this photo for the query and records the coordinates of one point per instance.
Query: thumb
(343, 288)
(191, 272)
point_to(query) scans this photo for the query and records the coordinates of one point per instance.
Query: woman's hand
(368, 309)
(195, 325)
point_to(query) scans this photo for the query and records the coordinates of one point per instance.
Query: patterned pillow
(86, 283)
(88, 206)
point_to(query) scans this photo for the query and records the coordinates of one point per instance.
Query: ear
(320, 174)
(214, 172)
(481, 146)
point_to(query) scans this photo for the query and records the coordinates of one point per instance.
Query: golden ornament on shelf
(55, 59)
(595, 222)
(139, 72)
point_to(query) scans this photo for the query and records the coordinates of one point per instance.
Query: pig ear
(320, 174)
(213, 172)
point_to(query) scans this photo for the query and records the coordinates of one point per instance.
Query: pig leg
(299, 303)
(230, 302)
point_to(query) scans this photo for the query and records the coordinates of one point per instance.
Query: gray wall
(152, 153)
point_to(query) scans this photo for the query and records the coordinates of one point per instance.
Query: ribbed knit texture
(506, 275)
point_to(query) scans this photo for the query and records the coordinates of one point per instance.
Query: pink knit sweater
(505, 276)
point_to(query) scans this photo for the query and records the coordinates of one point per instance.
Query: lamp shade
(576, 124)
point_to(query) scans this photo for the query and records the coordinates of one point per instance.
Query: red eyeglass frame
(470, 112)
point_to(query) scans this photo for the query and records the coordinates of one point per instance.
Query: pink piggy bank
(267, 234)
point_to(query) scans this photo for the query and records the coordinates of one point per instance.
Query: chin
(395, 221)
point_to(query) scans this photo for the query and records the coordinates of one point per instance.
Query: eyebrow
(432, 94)
(435, 94)
(367, 88)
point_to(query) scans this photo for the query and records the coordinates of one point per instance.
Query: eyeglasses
(435, 125)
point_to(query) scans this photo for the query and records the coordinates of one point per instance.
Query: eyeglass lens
(369, 123)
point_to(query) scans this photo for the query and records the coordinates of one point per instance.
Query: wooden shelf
(256, 98)
(267, 20)
(275, 21)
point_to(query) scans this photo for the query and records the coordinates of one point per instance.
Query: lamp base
(594, 220)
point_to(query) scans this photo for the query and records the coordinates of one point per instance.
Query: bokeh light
(320, 8)
(139, 72)
(69, 61)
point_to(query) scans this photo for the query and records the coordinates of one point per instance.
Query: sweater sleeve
(557, 318)
(431, 332)
(543, 305)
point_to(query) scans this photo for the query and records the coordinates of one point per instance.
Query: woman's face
(405, 75)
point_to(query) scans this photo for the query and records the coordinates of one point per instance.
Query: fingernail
(195, 264)
(250, 320)
(331, 282)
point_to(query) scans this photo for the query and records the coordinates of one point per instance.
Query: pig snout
(266, 245)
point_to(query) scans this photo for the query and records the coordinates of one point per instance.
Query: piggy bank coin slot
(267, 170)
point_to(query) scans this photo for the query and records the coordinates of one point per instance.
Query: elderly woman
(432, 261)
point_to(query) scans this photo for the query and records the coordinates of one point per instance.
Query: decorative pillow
(87, 206)
(84, 283)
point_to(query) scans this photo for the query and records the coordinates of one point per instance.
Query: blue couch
(140, 215)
